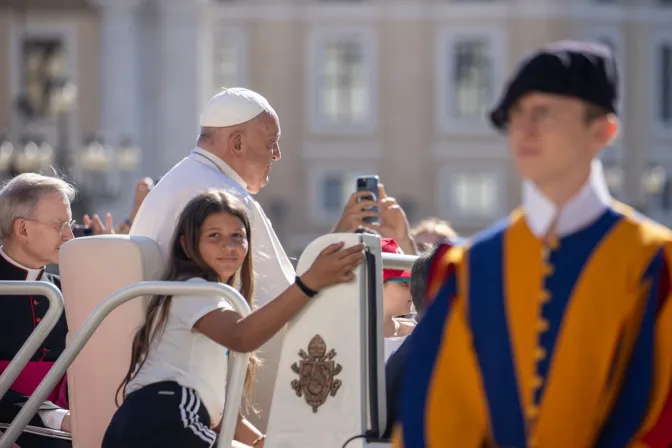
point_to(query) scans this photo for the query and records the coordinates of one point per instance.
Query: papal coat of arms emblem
(316, 370)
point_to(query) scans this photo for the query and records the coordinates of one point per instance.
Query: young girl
(175, 388)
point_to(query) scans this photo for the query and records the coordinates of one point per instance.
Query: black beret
(582, 70)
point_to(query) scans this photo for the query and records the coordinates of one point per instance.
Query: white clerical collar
(221, 166)
(580, 211)
(31, 274)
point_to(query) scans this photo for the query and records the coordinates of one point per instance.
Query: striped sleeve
(423, 353)
(441, 268)
(633, 380)
(656, 432)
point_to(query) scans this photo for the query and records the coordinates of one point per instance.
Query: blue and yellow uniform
(553, 328)
(528, 345)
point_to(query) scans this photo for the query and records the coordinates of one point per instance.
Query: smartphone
(80, 230)
(369, 184)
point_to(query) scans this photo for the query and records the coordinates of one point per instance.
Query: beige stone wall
(79, 26)
(407, 134)
(407, 147)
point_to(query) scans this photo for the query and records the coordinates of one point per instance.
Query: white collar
(580, 211)
(220, 165)
(32, 274)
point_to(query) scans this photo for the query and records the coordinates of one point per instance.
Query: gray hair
(21, 194)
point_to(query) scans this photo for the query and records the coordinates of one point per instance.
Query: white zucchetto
(233, 106)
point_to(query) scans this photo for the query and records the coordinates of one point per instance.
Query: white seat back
(330, 383)
(91, 269)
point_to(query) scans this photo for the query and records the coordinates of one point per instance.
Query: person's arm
(245, 334)
(237, 444)
(246, 432)
(656, 428)
(426, 351)
(356, 210)
(142, 188)
(394, 223)
(228, 328)
(407, 244)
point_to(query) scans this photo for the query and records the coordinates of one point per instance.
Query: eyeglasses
(61, 228)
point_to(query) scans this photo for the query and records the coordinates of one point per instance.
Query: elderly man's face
(48, 228)
(261, 149)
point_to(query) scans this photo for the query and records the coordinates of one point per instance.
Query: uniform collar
(580, 211)
(220, 165)
(27, 274)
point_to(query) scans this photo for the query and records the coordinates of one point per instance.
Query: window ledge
(318, 123)
(496, 38)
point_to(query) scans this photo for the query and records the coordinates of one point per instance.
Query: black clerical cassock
(19, 315)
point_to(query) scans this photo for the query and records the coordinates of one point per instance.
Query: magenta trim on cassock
(31, 376)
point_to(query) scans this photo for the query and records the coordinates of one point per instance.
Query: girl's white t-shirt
(186, 356)
(391, 345)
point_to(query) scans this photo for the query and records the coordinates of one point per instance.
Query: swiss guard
(552, 328)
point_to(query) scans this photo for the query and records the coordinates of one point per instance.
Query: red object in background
(660, 436)
(390, 246)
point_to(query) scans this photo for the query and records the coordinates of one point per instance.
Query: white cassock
(200, 171)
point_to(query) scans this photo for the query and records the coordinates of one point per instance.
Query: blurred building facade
(388, 87)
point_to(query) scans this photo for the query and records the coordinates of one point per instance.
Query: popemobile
(330, 384)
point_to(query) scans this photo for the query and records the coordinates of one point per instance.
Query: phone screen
(370, 184)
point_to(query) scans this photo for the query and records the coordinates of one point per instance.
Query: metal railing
(238, 369)
(39, 334)
(398, 261)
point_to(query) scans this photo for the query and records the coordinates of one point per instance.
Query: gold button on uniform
(539, 354)
(542, 325)
(532, 412)
(537, 382)
(545, 296)
(547, 270)
(553, 243)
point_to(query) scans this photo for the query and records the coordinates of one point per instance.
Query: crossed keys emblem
(316, 371)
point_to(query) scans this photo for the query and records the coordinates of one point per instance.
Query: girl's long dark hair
(186, 262)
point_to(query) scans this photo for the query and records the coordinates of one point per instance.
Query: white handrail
(398, 261)
(238, 369)
(39, 334)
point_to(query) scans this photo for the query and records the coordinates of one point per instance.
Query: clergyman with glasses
(35, 220)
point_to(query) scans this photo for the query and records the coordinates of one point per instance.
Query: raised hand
(96, 224)
(357, 208)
